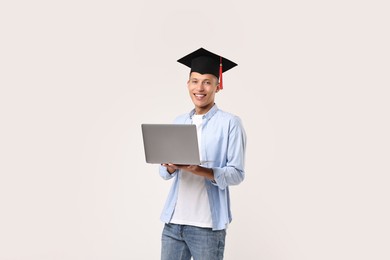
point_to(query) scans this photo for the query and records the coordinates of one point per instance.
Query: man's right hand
(170, 167)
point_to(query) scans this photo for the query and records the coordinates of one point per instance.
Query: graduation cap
(206, 62)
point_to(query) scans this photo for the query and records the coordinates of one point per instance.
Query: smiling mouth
(200, 95)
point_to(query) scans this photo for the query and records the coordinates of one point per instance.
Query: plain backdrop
(78, 78)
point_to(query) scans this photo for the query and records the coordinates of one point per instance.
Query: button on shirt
(223, 144)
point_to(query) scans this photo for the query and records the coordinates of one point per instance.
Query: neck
(203, 110)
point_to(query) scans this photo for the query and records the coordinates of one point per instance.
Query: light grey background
(78, 78)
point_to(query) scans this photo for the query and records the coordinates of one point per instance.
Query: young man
(197, 211)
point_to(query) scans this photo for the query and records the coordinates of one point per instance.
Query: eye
(194, 81)
(207, 83)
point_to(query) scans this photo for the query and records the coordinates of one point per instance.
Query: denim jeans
(180, 242)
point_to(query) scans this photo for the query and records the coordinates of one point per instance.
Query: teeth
(199, 95)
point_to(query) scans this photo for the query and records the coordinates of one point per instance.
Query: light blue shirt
(223, 146)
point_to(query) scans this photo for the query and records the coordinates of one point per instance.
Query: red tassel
(220, 73)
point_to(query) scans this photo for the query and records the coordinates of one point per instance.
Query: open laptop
(171, 143)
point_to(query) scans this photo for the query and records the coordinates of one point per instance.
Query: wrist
(170, 170)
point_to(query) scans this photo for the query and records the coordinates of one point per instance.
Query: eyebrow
(193, 78)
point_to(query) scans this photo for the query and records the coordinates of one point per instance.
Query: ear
(218, 89)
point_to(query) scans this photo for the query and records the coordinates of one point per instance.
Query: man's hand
(195, 169)
(170, 167)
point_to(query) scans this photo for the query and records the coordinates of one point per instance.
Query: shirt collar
(208, 115)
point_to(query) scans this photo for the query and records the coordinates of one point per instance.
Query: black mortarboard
(206, 62)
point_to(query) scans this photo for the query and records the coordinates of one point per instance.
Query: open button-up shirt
(223, 145)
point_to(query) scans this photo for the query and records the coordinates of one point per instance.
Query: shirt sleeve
(165, 174)
(233, 172)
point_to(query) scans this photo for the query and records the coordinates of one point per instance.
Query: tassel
(220, 73)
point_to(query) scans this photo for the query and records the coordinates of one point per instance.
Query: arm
(167, 172)
(195, 169)
(233, 172)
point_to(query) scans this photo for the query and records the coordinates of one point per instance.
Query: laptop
(171, 143)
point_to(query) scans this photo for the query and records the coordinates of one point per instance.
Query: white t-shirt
(192, 206)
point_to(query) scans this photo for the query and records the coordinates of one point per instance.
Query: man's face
(202, 89)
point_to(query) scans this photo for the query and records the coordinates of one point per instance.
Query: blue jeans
(180, 242)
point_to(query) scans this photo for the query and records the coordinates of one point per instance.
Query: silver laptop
(171, 143)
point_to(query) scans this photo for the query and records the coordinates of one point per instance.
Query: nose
(200, 86)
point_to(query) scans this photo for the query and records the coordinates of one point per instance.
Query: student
(197, 210)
